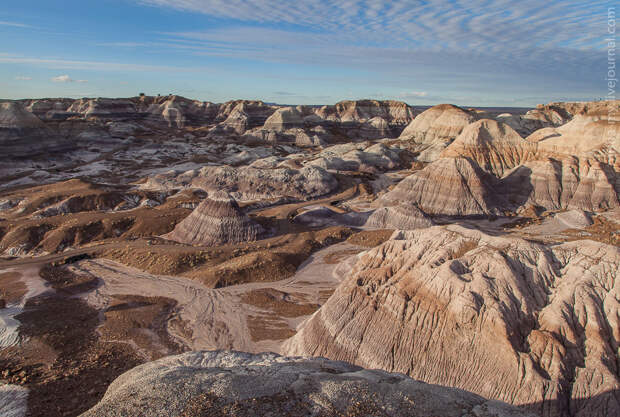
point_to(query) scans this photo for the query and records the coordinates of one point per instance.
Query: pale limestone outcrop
(49, 109)
(375, 128)
(14, 116)
(242, 115)
(524, 125)
(179, 111)
(561, 112)
(238, 121)
(517, 321)
(554, 115)
(358, 157)
(586, 137)
(304, 139)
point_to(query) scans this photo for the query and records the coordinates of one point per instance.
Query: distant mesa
(14, 116)
(104, 108)
(395, 113)
(589, 137)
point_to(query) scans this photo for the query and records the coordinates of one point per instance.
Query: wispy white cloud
(66, 79)
(468, 40)
(14, 24)
(62, 79)
(413, 94)
(69, 64)
(434, 64)
(22, 78)
(476, 24)
(408, 47)
(125, 44)
(459, 37)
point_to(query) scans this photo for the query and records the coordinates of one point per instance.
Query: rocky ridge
(248, 183)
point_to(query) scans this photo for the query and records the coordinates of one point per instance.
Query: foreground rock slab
(226, 383)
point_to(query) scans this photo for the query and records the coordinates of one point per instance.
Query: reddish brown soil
(63, 365)
(67, 360)
(281, 303)
(11, 288)
(370, 238)
(83, 196)
(278, 304)
(142, 320)
(56, 233)
(324, 295)
(268, 328)
(522, 222)
(602, 230)
(337, 257)
(90, 219)
(73, 351)
(267, 260)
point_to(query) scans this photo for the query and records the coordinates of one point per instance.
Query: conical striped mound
(405, 216)
(216, 221)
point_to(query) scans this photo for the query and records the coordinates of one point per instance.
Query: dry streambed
(77, 327)
(251, 317)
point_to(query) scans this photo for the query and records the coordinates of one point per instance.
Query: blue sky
(476, 52)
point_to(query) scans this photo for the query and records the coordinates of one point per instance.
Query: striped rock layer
(216, 221)
(505, 318)
(405, 216)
